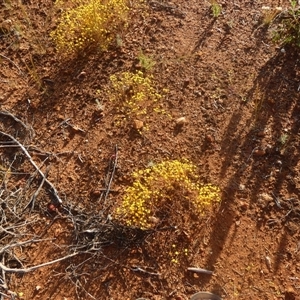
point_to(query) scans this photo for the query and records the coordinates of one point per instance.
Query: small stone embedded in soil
(81, 75)
(243, 205)
(259, 152)
(154, 220)
(209, 138)
(268, 262)
(261, 133)
(51, 207)
(181, 121)
(241, 187)
(265, 197)
(96, 193)
(137, 124)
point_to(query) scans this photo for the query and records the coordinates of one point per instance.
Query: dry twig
(6, 113)
(111, 172)
(30, 269)
(201, 271)
(3, 56)
(53, 190)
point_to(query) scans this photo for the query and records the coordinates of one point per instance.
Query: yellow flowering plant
(87, 25)
(158, 190)
(134, 95)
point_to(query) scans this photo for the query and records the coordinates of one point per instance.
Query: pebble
(243, 205)
(265, 197)
(268, 262)
(154, 220)
(261, 133)
(137, 124)
(241, 187)
(209, 138)
(81, 75)
(181, 121)
(259, 152)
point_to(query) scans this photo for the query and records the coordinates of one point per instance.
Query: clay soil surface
(239, 95)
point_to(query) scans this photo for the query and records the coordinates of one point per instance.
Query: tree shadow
(274, 97)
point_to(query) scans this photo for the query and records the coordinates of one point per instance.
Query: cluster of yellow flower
(89, 24)
(155, 185)
(176, 253)
(134, 95)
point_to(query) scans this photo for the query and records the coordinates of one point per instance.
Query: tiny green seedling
(216, 8)
(287, 31)
(119, 41)
(146, 62)
(283, 139)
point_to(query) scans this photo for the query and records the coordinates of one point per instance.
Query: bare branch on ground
(53, 189)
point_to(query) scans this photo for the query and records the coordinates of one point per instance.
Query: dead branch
(27, 270)
(138, 269)
(111, 172)
(3, 56)
(199, 270)
(5, 248)
(53, 190)
(36, 193)
(6, 113)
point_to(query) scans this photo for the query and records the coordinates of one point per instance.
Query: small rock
(261, 133)
(81, 75)
(37, 288)
(268, 262)
(209, 138)
(265, 197)
(241, 187)
(259, 152)
(137, 124)
(181, 121)
(96, 193)
(154, 220)
(243, 205)
(51, 207)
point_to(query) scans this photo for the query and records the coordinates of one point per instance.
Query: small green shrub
(216, 8)
(288, 26)
(161, 188)
(89, 25)
(146, 62)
